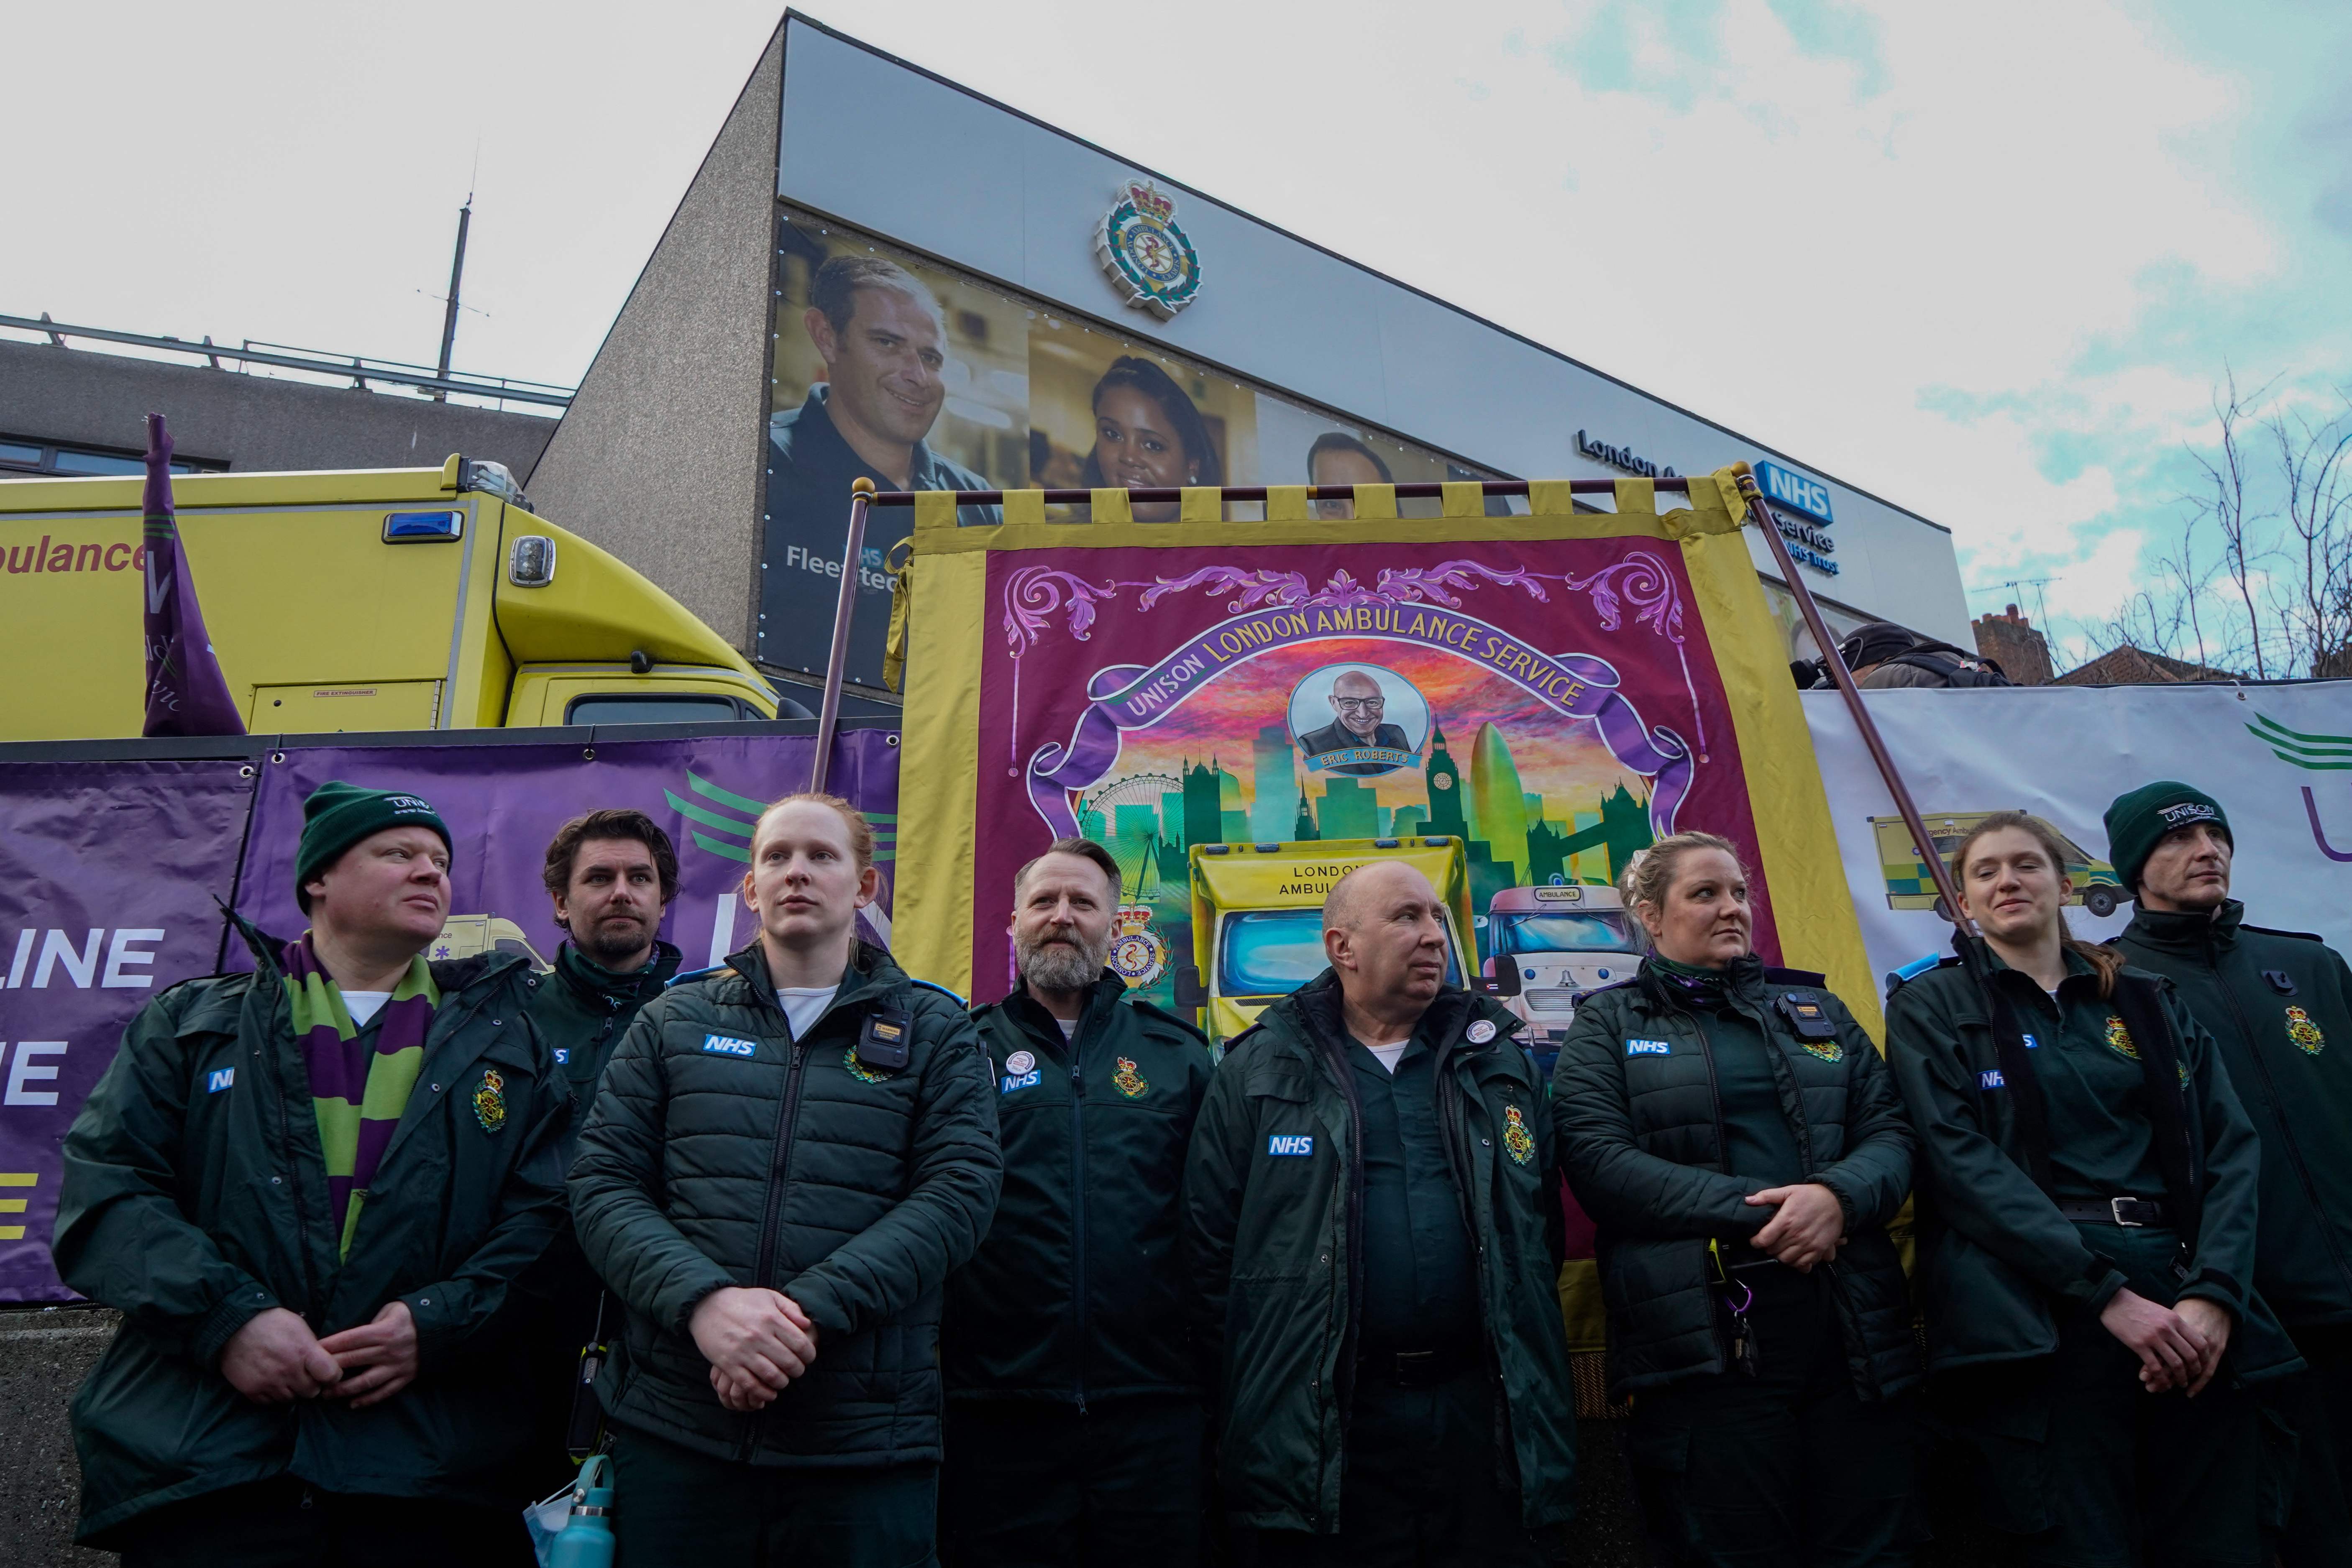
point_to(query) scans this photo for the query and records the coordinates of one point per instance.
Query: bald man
(1372, 1217)
(1358, 712)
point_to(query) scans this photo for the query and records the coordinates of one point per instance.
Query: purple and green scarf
(359, 1094)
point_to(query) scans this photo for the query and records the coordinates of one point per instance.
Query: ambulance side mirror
(1190, 992)
(1507, 974)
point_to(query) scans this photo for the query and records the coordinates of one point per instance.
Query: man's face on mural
(1356, 698)
(886, 367)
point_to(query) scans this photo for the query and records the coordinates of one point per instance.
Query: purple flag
(186, 693)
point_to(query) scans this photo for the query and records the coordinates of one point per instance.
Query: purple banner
(1136, 697)
(108, 874)
(108, 870)
(503, 804)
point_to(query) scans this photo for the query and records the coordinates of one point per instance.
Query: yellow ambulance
(1257, 918)
(362, 600)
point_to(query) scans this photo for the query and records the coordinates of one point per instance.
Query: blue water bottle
(586, 1539)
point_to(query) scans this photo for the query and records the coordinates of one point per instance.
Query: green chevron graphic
(731, 826)
(2320, 754)
(736, 814)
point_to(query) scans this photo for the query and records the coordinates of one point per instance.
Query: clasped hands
(2179, 1347)
(756, 1341)
(1808, 1224)
(275, 1358)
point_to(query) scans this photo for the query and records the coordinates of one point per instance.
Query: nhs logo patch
(562, 1055)
(1290, 1144)
(217, 1081)
(724, 1046)
(1648, 1048)
(2031, 1044)
(1026, 1081)
(1990, 1079)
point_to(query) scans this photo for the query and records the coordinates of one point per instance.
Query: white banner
(2278, 758)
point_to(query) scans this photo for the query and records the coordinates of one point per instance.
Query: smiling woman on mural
(1738, 1141)
(1148, 435)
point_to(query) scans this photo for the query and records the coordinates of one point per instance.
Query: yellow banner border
(939, 787)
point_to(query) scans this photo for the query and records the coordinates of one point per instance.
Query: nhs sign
(1795, 491)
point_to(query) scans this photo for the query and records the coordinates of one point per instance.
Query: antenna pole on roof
(449, 317)
(1920, 839)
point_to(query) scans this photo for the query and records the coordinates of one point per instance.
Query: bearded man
(1074, 1407)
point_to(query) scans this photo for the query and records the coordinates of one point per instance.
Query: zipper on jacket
(1078, 1209)
(2270, 1088)
(781, 1155)
(314, 1300)
(764, 1275)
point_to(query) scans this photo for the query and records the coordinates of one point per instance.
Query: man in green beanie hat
(311, 1190)
(2280, 1004)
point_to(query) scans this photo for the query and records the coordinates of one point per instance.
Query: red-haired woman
(2086, 1185)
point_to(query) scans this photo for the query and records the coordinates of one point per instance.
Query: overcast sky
(1986, 260)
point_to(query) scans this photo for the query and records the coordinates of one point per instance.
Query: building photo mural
(891, 367)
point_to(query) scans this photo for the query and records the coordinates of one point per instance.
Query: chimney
(2010, 640)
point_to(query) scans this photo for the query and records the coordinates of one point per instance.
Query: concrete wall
(253, 422)
(658, 457)
(44, 1355)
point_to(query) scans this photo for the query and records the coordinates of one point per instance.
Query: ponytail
(2105, 961)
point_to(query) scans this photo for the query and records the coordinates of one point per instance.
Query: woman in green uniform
(1737, 1140)
(2087, 1180)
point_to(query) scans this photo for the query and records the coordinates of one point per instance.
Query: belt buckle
(2116, 1208)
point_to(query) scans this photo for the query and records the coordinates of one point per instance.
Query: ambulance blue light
(420, 527)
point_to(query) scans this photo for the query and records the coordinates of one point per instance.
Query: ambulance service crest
(1827, 1051)
(858, 1070)
(2304, 1032)
(2120, 1039)
(1138, 954)
(1517, 1142)
(1144, 254)
(1128, 1081)
(490, 1102)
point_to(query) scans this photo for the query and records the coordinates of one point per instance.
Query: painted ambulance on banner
(2275, 756)
(1257, 918)
(1553, 945)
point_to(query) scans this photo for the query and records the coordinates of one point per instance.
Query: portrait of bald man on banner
(1372, 719)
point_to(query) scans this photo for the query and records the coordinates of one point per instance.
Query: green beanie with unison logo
(2139, 821)
(339, 815)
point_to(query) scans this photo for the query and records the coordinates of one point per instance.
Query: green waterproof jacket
(582, 1009)
(1077, 1293)
(1997, 1262)
(1641, 1128)
(1274, 1219)
(2279, 1005)
(195, 1196)
(723, 1151)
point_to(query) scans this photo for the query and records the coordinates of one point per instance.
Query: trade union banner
(503, 804)
(1552, 690)
(2278, 758)
(109, 873)
(108, 876)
